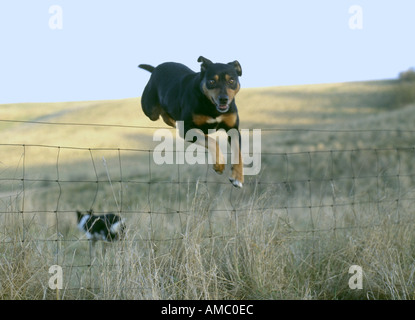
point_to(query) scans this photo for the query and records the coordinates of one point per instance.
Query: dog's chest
(229, 119)
(211, 120)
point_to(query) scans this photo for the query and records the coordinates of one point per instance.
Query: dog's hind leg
(150, 103)
(167, 119)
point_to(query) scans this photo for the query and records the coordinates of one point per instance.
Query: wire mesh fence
(298, 194)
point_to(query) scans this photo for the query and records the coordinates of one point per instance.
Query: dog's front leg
(237, 177)
(213, 146)
(197, 136)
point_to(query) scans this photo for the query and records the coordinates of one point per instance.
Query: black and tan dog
(203, 100)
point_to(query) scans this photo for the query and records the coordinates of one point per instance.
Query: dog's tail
(146, 67)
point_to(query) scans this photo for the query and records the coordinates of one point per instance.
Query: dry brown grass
(324, 200)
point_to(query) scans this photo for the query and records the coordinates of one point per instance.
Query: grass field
(336, 189)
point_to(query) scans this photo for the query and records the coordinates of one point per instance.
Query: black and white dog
(107, 227)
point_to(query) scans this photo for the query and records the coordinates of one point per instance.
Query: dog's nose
(223, 100)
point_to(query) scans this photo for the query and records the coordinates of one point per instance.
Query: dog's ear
(205, 63)
(79, 215)
(237, 67)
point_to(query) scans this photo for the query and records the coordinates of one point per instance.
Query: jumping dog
(203, 100)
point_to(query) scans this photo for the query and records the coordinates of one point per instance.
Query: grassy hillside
(336, 188)
(291, 107)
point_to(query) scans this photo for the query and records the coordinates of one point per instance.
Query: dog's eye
(231, 81)
(211, 82)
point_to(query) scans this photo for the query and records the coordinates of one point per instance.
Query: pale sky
(91, 51)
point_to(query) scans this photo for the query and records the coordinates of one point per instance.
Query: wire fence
(306, 192)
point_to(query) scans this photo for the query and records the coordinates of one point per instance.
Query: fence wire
(307, 192)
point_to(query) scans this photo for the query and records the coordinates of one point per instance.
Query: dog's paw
(235, 182)
(219, 168)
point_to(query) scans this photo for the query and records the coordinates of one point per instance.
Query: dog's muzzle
(223, 105)
(222, 108)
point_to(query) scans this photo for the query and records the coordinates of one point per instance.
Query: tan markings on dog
(238, 86)
(229, 119)
(232, 92)
(213, 146)
(211, 94)
(200, 119)
(215, 120)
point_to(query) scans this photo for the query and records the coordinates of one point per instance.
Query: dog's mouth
(222, 107)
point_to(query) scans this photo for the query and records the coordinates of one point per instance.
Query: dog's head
(80, 214)
(220, 82)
